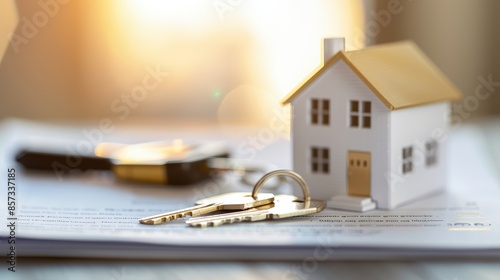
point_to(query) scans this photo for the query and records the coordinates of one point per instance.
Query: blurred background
(223, 60)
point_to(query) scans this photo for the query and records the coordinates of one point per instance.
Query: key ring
(289, 173)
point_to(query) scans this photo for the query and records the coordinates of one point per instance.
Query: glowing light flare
(177, 146)
(165, 32)
(147, 152)
(290, 35)
(161, 13)
(217, 94)
(8, 23)
(275, 44)
(106, 149)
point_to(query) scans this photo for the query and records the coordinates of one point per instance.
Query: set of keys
(245, 206)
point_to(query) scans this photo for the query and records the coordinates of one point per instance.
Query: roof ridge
(398, 73)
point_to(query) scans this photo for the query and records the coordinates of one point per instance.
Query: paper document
(94, 216)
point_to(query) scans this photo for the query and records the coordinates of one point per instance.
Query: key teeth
(201, 225)
(204, 224)
(217, 223)
(147, 222)
(207, 224)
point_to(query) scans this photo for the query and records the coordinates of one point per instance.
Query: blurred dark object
(151, 163)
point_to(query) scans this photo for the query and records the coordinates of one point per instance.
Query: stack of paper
(91, 215)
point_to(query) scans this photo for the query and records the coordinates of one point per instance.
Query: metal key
(284, 206)
(228, 201)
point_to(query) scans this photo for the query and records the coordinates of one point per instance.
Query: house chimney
(331, 46)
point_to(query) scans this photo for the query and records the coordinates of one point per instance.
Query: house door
(358, 173)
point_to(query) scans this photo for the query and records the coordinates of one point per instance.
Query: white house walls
(418, 152)
(336, 87)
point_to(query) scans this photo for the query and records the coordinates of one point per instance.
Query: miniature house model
(369, 126)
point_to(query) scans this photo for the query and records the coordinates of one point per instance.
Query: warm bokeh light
(290, 36)
(283, 33)
(213, 50)
(178, 146)
(98, 51)
(144, 152)
(161, 13)
(8, 21)
(269, 46)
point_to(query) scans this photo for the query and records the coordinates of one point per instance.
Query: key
(284, 206)
(228, 201)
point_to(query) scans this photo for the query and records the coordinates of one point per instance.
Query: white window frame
(360, 114)
(320, 163)
(431, 152)
(321, 114)
(407, 163)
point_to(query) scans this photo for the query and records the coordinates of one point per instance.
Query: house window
(320, 111)
(431, 152)
(407, 160)
(320, 160)
(360, 114)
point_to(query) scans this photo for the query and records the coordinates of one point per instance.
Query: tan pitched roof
(400, 74)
